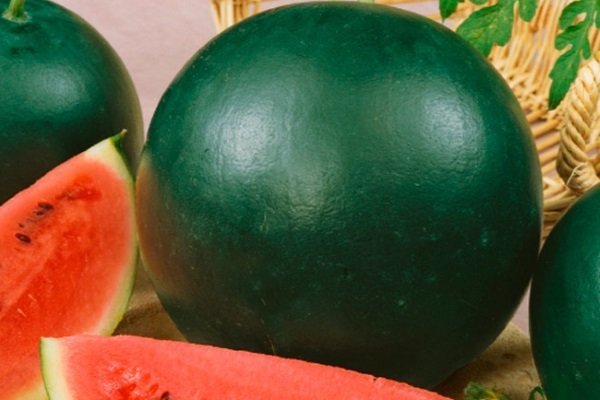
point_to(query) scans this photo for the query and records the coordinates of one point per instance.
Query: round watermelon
(345, 183)
(565, 304)
(62, 89)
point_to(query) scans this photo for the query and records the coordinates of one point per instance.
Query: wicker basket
(566, 138)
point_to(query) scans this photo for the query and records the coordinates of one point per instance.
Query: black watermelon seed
(23, 238)
(45, 206)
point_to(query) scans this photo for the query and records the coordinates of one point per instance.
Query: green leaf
(575, 39)
(489, 26)
(571, 36)
(448, 7)
(527, 9)
(537, 390)
(570, 12)
(475, 391)
(563, 74)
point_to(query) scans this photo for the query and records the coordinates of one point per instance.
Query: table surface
(156, 38)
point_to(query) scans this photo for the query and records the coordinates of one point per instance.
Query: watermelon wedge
(138, 368)
(68, 252)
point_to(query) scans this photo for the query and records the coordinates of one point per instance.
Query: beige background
(155, 38)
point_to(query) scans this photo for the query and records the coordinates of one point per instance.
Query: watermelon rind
(55, 382)
(110, 153)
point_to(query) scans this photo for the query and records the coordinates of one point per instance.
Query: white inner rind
(52, 368)
(107, 154)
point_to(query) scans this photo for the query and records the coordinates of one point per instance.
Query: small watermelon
(137, 368)
(68, 252)
(565, 304)
(63, 88)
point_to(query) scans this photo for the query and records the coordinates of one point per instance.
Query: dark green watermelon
(62, 89)
(345, 183)
(565, 304)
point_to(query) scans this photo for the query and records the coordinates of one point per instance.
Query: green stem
(16, 11)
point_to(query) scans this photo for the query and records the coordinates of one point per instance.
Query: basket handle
(575, 165)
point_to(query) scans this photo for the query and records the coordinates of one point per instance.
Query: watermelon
(345, 183)
(67, 257)
(63, 88)
(564, 305)
(137, 368)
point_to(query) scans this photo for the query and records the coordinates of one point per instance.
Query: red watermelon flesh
(67, 259)
(137, 368)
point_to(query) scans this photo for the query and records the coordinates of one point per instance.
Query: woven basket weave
(566, 138)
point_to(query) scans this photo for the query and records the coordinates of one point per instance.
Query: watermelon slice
(137, 368)
(68, 252)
